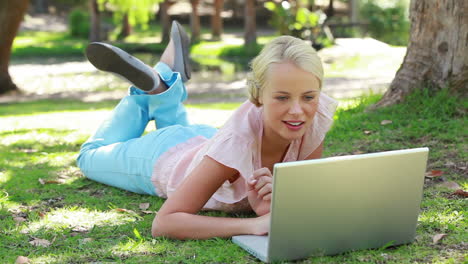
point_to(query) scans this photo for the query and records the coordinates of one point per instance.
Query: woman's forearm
(188, 226)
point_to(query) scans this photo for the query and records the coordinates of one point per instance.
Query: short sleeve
(322, 123)
(232, 151)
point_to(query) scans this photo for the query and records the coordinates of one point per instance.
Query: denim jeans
(118, 155)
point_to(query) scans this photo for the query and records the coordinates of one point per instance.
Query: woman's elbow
(157, 228)
(161, 228)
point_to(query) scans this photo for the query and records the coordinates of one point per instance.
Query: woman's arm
(177, 217)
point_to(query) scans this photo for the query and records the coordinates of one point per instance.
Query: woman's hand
(261, 183)
(262, 226)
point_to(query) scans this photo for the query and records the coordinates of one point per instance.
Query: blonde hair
(283, 48)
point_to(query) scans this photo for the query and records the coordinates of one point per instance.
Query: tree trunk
(195, 21)
(165, 20)
(126, 28)
(250, 36)
(437, 54)
(11, 14)
(353, 11)
(95, 34)
(330, 10)
(217, 20)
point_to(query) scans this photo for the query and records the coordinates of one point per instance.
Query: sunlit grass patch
(67, 218)
(36, 137)
(139, 246)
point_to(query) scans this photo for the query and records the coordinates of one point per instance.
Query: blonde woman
(198, 167)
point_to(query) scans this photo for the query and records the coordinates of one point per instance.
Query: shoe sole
(106, 59)
(184, 42)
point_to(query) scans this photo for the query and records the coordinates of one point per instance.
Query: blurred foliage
(295, 19)
(79, 23)
(139, 11)
(387, 20)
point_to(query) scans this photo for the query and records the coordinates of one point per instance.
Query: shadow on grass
(53, 105)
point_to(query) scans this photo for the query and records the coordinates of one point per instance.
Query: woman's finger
(267, 197)
(262, 181)
(261, 172)
(264, 190)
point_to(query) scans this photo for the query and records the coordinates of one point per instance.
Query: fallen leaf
(358, 152)
(451, 185)
(148, 212)
(19, 219)
(434, 173)
(144, 206)
(461, 193)
(59, 181)
(437, 238)
(80, 229)
(22, 260)
(40, 242)
(386, 122)
(124, 210)
(41, 214)
(367, 132)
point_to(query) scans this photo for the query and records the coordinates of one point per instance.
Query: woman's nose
(295, 108)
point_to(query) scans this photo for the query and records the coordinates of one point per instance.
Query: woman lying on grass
(198, 167)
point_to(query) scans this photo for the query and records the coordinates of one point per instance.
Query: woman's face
(290, 99)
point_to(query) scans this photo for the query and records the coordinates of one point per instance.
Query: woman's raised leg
(117, 155)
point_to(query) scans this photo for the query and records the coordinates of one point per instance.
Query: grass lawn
(50, 213)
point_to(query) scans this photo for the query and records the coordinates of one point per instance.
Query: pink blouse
(236, 145)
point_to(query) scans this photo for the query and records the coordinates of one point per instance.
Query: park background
(51, 214)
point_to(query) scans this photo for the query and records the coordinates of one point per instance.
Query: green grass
(61, 44)
(79, 216)
(46, 44)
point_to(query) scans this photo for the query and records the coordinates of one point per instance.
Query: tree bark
(95, 33)
(11, 15)
(126, 28)
(165, 20)
(437, 54)
(217, 20)
(330, 10)
(250, 35)
(195, 21)
(353, 11)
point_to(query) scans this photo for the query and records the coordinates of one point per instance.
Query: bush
(78, 23)
(299, 21)
(387, 23)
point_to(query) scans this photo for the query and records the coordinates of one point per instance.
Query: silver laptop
(333, 205)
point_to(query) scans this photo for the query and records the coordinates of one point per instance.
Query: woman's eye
(282, 98)
(309, 98)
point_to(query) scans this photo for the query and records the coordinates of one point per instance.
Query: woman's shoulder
(245, 122)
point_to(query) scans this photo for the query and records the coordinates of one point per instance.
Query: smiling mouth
(294, 123)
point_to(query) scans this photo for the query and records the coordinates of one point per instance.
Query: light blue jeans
(118, 155)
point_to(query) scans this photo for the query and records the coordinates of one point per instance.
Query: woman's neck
(273, 146)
